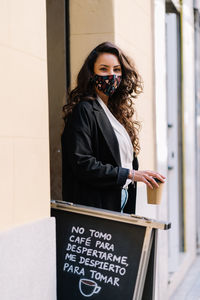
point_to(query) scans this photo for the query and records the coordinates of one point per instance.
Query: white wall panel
(28, 262)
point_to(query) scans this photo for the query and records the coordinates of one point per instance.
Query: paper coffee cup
(154, 196)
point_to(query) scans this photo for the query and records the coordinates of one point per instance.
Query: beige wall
(134, 34)
(24, 141)
(129, 24)
(91, 23)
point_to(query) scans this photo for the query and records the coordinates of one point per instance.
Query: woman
(100, 140)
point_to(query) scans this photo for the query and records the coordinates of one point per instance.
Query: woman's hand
(148, 178)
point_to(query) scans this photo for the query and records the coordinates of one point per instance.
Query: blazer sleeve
(77, 146)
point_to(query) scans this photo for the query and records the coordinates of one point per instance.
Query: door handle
(170, 167)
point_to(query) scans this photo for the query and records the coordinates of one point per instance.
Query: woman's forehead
(107, 59)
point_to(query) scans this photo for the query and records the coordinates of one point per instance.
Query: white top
(125, 144)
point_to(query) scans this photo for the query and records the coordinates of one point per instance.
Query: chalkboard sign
(97, 258)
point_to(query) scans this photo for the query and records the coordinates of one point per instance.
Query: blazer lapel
(107, 131)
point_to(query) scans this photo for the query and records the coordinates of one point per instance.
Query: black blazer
(91, 165)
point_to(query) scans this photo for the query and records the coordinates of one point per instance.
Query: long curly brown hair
(121, 102)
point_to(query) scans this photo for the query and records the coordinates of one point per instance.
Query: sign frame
(149, 246)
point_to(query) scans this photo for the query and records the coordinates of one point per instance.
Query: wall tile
(23, 94)
(28, 261)
(28, 26)
(91, 16)
(31, 179)
(6, 182)
(4, 22)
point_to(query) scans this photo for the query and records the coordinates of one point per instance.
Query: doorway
(58, 83)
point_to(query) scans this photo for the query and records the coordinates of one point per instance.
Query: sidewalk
(190, 287)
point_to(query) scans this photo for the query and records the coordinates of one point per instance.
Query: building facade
(42, 46)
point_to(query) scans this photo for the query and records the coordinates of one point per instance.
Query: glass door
(197, 119)
(174, 118)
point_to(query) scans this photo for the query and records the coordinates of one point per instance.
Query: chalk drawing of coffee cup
(88, 287)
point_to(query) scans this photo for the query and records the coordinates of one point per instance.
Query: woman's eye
(117, 70)
(103, 69)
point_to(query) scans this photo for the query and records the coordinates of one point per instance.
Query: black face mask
(107, 84)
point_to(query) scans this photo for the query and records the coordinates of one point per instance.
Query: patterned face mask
(107, 84)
